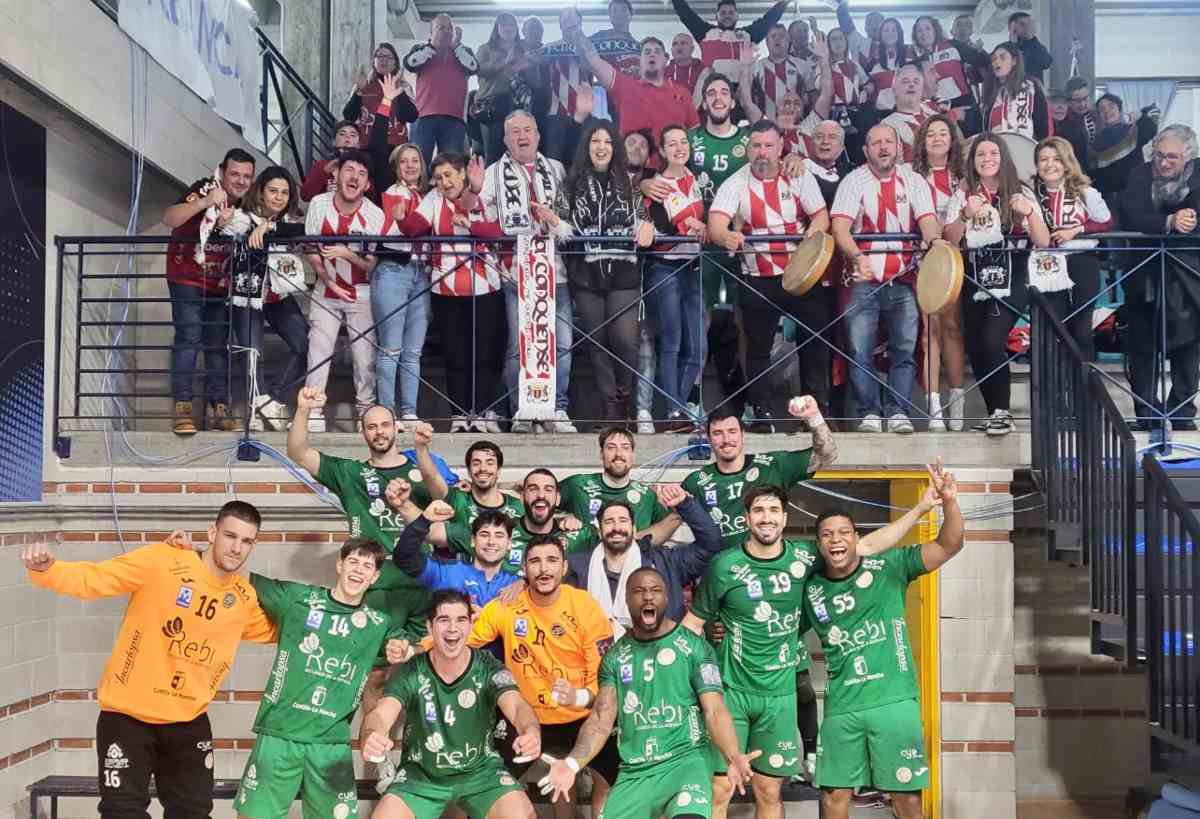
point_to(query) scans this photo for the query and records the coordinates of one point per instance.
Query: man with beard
(775, 75)
(766, 201)
(647, 104)
(583, 494)
(722, 46)
(883, 197)
(554, 637)
(154, 700)
(450, 695)
(912, 109)
(872, 734)
(605, 571)
(684, 68)
(657, 680)
(539, 495)
(483, 460)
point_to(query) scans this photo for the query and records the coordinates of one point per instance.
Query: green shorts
(279, 770)
(682, 786)
(474, 792)
(882, 746)
(766, 724)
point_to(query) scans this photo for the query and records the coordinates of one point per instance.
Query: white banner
(536, 328)
(210, 45)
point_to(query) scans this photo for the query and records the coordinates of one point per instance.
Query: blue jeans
(400, 309)
(675, 298)
(896, 304)
(286, 317)
(444, 133)
(201, 325)
(563, 337)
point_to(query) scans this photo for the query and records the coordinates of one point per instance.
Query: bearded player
(657, 680)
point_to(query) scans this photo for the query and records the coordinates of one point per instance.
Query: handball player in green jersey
(449, 696)
(656, 685)
(872, 733)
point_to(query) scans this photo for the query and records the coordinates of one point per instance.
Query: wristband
(572, 763)
(582, 698)
(815, 420)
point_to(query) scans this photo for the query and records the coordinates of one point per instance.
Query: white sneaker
(900, 424)
(406, 422)
(256, 422)
(1001, 423)
(316, 422)
(562, 423)
(645, 422)
(809, 767)
(387, 775)
(491, 422)
(870, 423)
(955, 405)
(522, 427)
(936, 422)
(459, 423)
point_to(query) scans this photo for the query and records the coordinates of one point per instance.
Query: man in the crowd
(797, 122)
(883, 196)
(800, 210)
(975, 58)
(779, 73)
(722, 45)
(605, 571)
(481, 579)
(1023, 31)
(1081, 124)
(828, 161)
(799, 47)
(865, 49)
(343, 291)
(484, 460)
(442, 66)
(912, 108)
(1119, 145)
(518, 195)
(302, 748)
(669, 673)
(322, 176)
(583, 494)
(197, 288)
(450, 695)
(872, 733)
(649, 103)
(539, 495)
(568, 74)
(684, 68)
(617, 45)
(554, 637)
(154, 692)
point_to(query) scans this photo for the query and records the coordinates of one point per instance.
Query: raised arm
(119, 575)
(397, 495)
(298, 447)
(760, 28)
(949, 541)
(692, 21)
(889, 536)
(434, 482)
(181, 213)
(377, 725)
(592, 735)
(604, 72)
(691, 560)
(823, 104)
(660, 532)
(824, 451)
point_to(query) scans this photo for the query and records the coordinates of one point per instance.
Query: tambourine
(939, 279)
(807, 263)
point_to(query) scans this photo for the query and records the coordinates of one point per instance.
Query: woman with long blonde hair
(1070, 207)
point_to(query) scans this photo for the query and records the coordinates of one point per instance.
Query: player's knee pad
(805, 694)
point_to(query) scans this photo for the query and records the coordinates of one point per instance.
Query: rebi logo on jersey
(521, 627)
(626, 673)
(710, 497)
(430, 711)
(315, 618)
(754, 589)
(183, 598)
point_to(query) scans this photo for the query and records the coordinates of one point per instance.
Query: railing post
(309, 125)
(1152, 525)
(62, 446)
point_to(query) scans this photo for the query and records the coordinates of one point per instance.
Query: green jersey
(458, 538)
(466, 508)
(715, 159)
(325, 653)
(448, 726)
(760, 603)
(658, 684)
(721, 492)
(583, 495)
(860, 620)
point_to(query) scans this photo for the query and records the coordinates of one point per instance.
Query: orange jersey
(563, 640)
(180, 632)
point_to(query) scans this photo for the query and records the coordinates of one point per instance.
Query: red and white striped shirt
(462, 269)
(324, 219)
(895, 204)
(849, 83)
(951, 73)
(942, 185)
(772, 82)
(397, 193)
(721, 50)
(682, 202)
(907, 125)
(799, 140)
(779, 206)
(567, 73)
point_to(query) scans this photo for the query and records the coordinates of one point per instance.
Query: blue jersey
(466, 578)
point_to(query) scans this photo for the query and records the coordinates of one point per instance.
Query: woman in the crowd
(598, 200)
(1013, 103)
(993, 213)
(274, 280)
(501, 89)
(671, 280)
(950, 66)
(400, 292)
(1117, 148)
(467, 302)
(1070, 208)
(1163, 197)
(938, 159)
(368, 94)
(893, 53)
(850, 82)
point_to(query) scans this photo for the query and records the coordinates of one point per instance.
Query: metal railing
(292, 113)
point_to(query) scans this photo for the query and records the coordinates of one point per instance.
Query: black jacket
(679, 566)
(596, 206)
(1037, 59)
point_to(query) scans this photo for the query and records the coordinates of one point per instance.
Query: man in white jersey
(778, 73)
(912, 109)
(343, 291)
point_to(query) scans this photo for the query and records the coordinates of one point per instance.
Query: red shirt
(441, 87)
(652, 107)
(687, 76)
(181, 263)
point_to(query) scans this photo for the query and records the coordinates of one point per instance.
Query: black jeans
(287, 319)
(474, 334)
(763, 300)
(986, 325)
(618, 337)
(178, 754)
(1144, 372)
(1085, 272)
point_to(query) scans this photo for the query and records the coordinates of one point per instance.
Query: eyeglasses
(1160, 157)
(1084, 98)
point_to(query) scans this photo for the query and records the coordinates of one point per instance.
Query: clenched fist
(37, 557)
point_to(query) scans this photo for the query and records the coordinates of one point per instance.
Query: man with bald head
(912, 108)
(442, 66)
(684, 68)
